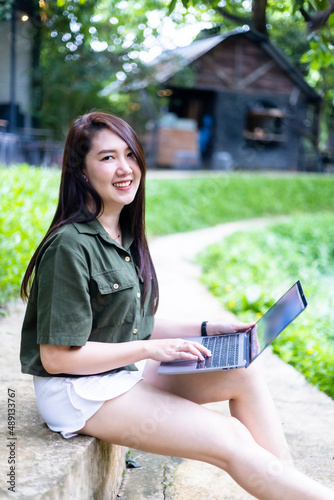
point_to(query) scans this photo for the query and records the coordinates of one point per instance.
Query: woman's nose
(124, 167)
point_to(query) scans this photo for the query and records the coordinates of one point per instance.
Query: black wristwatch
(204, 333)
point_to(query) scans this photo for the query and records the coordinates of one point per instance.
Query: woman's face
(112, 170)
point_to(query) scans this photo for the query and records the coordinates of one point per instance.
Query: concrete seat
(45, 466)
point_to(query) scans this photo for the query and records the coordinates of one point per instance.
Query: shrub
(249, 271)
(27, 203)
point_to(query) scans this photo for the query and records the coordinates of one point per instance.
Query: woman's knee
(239, 433)
(246, 381)
(236, 442)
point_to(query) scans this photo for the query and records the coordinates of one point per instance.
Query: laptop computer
(240, 349)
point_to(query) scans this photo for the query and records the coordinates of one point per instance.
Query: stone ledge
(48, 467)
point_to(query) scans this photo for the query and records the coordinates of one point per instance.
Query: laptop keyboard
(224, 349)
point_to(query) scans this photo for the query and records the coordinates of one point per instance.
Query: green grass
(248, 271)
(198, 202)
(28, 199)
(27, 202)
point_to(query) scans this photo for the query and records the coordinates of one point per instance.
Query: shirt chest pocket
(113, 298)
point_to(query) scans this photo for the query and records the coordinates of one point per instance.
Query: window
(265, 125)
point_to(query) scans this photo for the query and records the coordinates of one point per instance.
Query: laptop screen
(276, 319)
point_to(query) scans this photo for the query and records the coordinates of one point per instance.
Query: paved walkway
(306, 413)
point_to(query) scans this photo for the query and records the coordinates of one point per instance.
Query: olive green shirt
(86, 288)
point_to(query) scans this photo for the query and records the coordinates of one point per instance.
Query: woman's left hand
(216, 328)
(167, 329)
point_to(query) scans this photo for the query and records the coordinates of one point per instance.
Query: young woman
(91, 342)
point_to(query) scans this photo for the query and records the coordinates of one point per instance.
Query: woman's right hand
(99, 357)
(174, 349)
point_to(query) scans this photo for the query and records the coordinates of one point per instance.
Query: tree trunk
(259, 15)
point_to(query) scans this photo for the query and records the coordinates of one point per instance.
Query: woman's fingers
(194, 349)
(173, 349)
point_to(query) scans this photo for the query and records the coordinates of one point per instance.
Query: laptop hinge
(247, 348)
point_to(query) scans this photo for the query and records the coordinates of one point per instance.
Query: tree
(87, 44)
(315, 12)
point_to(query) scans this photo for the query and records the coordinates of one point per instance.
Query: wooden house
(235, 101)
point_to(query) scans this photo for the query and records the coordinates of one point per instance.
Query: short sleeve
(63, 299)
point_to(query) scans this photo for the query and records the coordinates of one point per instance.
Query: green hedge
(248, 271)
(28, 198)
(27, 203)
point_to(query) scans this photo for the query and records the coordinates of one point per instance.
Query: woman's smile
(123, 184)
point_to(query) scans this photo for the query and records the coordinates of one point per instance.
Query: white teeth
(122, 184)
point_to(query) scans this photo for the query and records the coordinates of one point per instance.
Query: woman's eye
(131, 155)
(109, 157)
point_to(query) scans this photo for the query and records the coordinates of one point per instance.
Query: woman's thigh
(149, 419)
(208, 387)
(246, 390)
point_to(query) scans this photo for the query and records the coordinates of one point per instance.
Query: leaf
(307, 57)
(315, 64)
(295, 7)
(313, 3)
(321, 4)
(331, 20)
(131, 463)
(171, 6)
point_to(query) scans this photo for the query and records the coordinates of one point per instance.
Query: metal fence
(23, 148)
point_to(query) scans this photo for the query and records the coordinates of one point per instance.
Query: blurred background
(207, 85)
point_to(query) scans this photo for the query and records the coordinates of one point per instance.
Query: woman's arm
(99, 357)
(171, 329)
(167, 344)
(94, 357)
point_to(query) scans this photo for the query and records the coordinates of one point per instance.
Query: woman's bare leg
(149, 419)
(249, 399)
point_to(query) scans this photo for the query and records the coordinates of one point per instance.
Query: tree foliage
(84, 47)
(6, 9)
(88, 44)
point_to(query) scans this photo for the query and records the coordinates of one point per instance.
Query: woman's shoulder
(71, 237)
(65, 235)
(74, 232)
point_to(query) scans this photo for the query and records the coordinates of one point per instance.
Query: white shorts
(66, 403)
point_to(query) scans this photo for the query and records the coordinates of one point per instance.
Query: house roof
(171, 62)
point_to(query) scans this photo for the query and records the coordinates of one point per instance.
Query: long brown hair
(75, 192)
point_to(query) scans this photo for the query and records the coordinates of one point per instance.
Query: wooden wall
(240, 64)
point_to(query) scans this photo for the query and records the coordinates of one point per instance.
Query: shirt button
(115, 286)
(135, 331)
(138, 295)
(127, 258)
